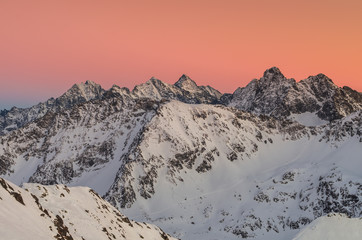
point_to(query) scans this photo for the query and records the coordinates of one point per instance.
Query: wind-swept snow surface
(58, 212)
(332, 227)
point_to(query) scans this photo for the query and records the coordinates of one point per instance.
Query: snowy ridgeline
(199, 171)
(273, 94)
(58, 212)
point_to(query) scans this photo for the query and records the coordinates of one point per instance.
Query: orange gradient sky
(48, 45)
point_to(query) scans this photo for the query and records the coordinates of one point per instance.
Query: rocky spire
(273, 73)
(186, 83)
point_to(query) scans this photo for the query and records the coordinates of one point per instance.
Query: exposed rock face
(78, 93)
(184, 90)
(272, 95)
(275, 95)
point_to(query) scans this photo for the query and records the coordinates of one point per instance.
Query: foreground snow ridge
(332, 227)
(58, 212)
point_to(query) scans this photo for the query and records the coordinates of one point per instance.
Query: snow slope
(332, 227)
(58, 212)
(210, 173)
(80, 147)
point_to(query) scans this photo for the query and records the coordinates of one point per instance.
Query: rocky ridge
(19, 117)
(277, 96)
(273, 95)
(79, 93)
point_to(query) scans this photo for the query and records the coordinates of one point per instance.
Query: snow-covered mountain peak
(78, 93)
(153, 89)
(317, 97)
(186, 83)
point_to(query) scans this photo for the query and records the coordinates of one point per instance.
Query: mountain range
(273, 94)
(262, 163)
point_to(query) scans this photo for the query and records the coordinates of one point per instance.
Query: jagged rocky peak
(154, 89)
(320, 81)
(273, 72)
(157, 83)
(116, 91)
(90, 82)
(116, 88)
(79, 93)
(152, 81)
(316, 97)
(186, 83)
(273, 76)
(87, 90)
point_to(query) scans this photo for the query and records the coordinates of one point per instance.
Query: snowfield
(332, 227)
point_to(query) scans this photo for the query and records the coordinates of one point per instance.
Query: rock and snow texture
(275, 95)
(231, 175)
(78, 93)
(58, 212)
(204, 171)
(184, 90)
(80, 146)
(332, 227)
(197, 171)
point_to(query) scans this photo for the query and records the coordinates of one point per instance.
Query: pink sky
(47, 46)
